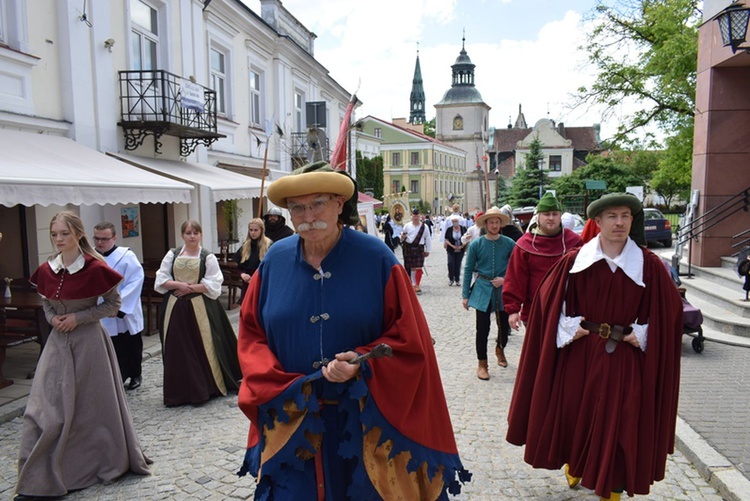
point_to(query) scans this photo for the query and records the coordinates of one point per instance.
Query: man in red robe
(535, 253)
(598, 379)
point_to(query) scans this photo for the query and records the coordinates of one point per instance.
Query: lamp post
(497, 187)
(486, 170)
(481, 182)
(540, 163)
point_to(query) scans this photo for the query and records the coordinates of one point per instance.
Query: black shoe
(135, 382)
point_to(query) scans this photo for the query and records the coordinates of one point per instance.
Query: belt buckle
(605, 330)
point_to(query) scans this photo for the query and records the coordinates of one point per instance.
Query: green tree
(502, 192)
(370, 174)
(429, 127)
(614, 173)
(524, 190)
(672, 179)
(643, 163)
(645, 52)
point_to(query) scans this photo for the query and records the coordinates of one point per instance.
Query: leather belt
(612, 333)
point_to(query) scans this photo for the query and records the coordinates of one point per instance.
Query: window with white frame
(256, 99)
(378, 132)
(396, 186)
(396, 158)
(144, 41)
(299, 111)
(414, 158)
(414, 186)
(219, 79)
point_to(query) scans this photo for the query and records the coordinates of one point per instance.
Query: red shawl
(93, 280)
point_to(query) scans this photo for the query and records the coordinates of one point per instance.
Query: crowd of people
(338, 376)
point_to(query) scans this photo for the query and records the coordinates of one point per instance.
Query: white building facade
(164, 106)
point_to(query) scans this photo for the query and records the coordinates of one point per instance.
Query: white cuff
(641, 334)
(566, 329)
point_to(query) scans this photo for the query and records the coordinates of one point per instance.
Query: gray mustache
(315, 225)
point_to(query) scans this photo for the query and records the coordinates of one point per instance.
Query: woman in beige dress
(77, 429)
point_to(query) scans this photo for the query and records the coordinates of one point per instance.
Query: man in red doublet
(598, 378)
(535, 253)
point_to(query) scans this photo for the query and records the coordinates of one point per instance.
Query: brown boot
(500, 354)
(482, 372)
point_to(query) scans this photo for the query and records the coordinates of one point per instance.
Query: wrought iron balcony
(157, 102)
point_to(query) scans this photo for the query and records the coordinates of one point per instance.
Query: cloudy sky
(525, 52)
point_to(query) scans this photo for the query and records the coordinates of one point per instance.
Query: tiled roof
(584, 138)
(507, 139)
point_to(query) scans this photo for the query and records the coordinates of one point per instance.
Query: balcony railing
(309, 146)
(155, 102)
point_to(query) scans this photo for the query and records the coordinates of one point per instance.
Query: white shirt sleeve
(213, 278)
(164, 274)
(566, 328)
(641, 334)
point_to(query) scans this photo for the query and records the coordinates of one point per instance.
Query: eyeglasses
(101, 239)
(316, 207)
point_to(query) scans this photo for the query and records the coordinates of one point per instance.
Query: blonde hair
(263, 241)
(75, 225)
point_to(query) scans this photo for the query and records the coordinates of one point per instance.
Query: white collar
(630, 260)
(56, 263)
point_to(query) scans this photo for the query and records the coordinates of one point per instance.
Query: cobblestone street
(197, 450)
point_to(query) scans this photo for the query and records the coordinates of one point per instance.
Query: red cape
(418, 409)
(532, 258)
(545, 421)
(94, 279)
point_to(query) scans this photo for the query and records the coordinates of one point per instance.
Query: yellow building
(431, 171)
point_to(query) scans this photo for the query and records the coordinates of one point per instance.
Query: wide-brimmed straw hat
(317, 177)
(492, 212)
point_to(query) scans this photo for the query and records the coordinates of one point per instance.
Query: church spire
(417, 99)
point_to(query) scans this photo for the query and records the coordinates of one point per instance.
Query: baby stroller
(692, 318)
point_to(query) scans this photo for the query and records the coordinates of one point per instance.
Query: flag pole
(264, 173)
(263, 179)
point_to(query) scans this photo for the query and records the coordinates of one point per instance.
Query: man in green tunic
(488, 256)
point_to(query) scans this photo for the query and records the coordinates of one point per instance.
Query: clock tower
(462, 121)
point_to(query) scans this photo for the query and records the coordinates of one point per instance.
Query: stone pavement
(197, 450)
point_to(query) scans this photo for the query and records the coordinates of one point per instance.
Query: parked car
(574, 222)
(658, 228)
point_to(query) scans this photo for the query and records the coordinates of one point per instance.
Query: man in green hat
(598, 380)
(535, 253)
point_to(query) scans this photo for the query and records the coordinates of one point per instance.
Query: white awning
(38, 169)
(224, 184)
